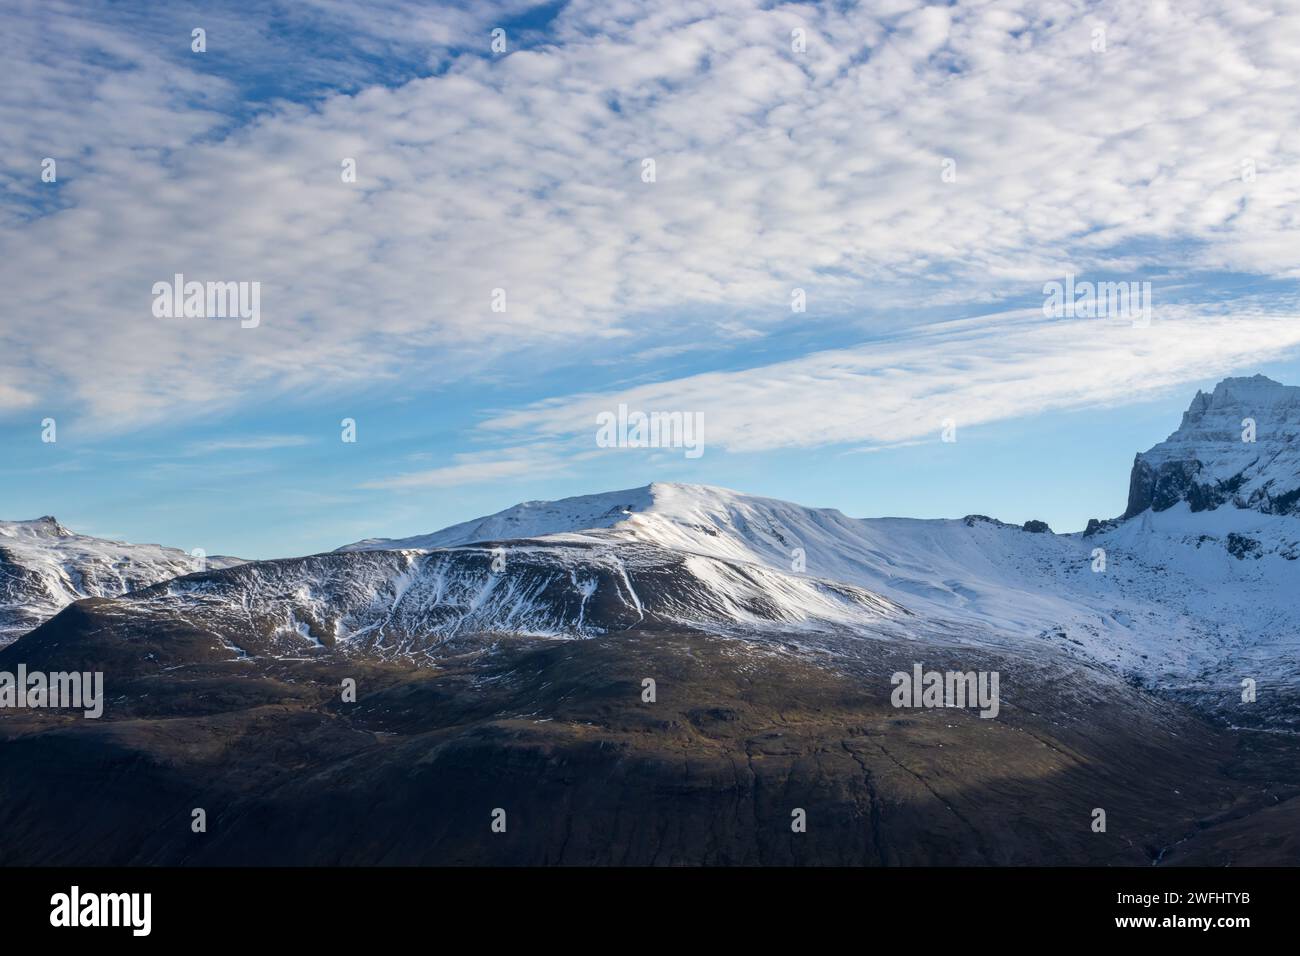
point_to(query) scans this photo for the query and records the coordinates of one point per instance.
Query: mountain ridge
(44, 566)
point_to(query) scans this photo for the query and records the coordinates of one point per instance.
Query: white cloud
(522, 172)
(247, 443)
(895, 391)
(14, 398)
(471, 469)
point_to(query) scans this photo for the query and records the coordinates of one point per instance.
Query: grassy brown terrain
(556, 733)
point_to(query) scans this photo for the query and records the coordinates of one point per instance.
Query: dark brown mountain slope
(556, 734)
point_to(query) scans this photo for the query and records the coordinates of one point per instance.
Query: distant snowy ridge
(44, 567)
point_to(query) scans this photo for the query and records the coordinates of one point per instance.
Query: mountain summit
(1240, 444)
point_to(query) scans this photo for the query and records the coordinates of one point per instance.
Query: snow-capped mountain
(531, 519)
(1178, 594)
(1194, 588)
(1240, 445)
(44, 567)
(402, 603)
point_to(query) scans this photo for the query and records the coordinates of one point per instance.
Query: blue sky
(1165, 157)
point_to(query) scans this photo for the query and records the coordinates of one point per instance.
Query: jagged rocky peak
(1238, 445)
(46, 526)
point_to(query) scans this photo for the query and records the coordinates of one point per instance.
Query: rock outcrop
(1238, 445)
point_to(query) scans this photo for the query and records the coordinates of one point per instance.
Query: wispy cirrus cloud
(13, 398)
(247, 443)
(473, 468)
(898, 390)
(895, 392)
